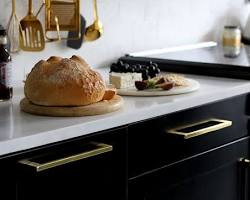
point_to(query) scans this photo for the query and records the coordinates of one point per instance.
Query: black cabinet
(91, 167)
(193, 154)
(152, 143)
(8, 179)
(216, 174)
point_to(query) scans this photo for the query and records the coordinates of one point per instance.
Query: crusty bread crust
(64, 82)
(109, 94)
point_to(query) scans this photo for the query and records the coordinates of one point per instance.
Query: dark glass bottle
(5, 69)
(7, 46)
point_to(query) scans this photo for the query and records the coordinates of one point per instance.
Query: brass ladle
(94, 31)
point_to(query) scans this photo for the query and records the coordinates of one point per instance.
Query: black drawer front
(99, 176)
(151, 146)
(216, 174)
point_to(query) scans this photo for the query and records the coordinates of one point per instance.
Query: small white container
(231, 41)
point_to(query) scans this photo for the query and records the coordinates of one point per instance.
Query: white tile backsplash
(136, 25)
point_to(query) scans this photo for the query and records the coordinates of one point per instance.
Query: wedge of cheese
(124, 80)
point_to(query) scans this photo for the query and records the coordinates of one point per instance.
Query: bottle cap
(3, 34)
(2, 31)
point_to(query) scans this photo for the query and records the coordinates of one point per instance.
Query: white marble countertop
(21, 131)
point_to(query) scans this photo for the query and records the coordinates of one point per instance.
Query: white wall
(135, 25)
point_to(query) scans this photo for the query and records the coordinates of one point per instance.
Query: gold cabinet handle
(244, 178)
(245, 161)
(100, 149)
(200, 128)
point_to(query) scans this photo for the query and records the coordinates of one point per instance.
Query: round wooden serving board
(99, 108)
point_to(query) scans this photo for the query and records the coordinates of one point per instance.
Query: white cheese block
(124, 80)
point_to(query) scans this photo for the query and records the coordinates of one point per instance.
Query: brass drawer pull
(245, 161)
(100, 149)
(244, 178)
(200, 128)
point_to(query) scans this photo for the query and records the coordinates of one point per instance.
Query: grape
(151, 68)
(157, 70)
(154, 64)
(138, 68)
(120, 63)
(145, 75)
(131, 69)
(152, 74)
(146, 67)
(124, 68)
(114, 68)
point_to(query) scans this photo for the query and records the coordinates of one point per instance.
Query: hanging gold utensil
(32, 37)
(94, 31)
(13, 29)
(58, 28)
(63, 15)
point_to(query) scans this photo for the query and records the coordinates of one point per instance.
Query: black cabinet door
(216, 174)
(8, 180)
(152, 146)
(92, 168)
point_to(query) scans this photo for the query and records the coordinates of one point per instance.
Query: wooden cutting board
(99, 108)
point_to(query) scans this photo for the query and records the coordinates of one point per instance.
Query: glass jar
(231, 41)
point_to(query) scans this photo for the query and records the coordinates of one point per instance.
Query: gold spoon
(94, 31)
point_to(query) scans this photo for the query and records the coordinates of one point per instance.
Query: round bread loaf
(64, 82)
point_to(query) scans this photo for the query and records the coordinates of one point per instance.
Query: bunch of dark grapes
(148, 71)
